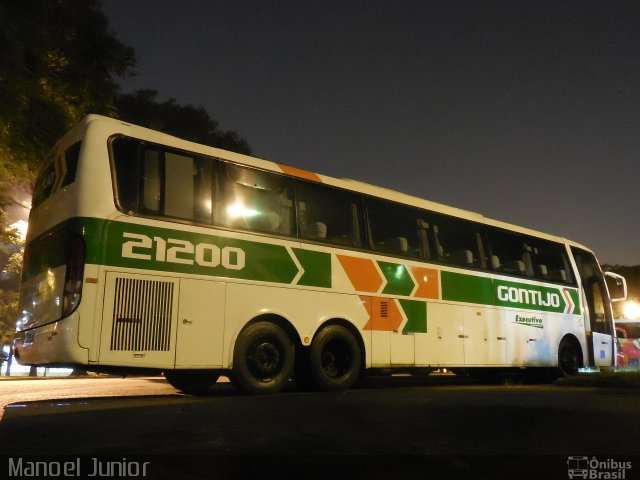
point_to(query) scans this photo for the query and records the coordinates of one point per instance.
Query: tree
(184, 121)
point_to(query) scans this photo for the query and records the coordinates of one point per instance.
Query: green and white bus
(148, 252)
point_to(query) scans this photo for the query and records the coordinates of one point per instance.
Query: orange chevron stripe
(298, 172)
(362, 273)
(427, 280)
(384, 315)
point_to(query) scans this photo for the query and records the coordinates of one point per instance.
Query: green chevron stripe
(317, 268)
(399, 282)
(416, 312)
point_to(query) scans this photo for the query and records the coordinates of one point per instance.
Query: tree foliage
(10, 263)
(58, 61)
(184, 121)
(8, 302)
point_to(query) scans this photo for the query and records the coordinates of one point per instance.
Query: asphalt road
(19, 391)
(408, 425)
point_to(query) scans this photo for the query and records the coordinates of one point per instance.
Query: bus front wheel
(335, 358)
(569, 358)
(194, 382)
(263, 359)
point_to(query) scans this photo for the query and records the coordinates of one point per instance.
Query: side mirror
(617, 286)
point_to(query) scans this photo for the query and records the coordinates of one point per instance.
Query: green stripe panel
(416, 312)
(487, 291)
(399, 282)
(466, 288)
(317, 268)
(188, 252)
(93, 231)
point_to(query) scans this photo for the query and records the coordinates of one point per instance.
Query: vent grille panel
(384, 309)
(142, 313)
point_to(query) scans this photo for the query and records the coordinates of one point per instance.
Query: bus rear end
(68, 188)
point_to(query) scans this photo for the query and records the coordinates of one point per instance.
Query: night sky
(524, 111)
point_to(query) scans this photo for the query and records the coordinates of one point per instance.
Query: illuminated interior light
(238, 210)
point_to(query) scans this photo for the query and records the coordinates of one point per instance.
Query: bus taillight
(74, 274)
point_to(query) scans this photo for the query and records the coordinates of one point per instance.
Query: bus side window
(179, 174)
(257, 200)
(329, 215)
(176, 185)
(458, 242)
(125, 156)
(549, 261)
(396, 229)
(509, 253)
(204, 185)
(151, 182)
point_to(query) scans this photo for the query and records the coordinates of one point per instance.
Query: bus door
(597, 307)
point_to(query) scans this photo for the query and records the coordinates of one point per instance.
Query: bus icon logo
(578, 467)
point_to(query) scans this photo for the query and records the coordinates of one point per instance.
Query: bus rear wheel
(335, 358)
(194, 382)
(569, 358)
(263, 359)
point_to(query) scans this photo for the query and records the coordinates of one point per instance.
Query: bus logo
(528, 297)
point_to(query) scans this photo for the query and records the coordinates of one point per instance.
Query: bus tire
(335, 358)
(193, 382)
(569, 358)
(263, 359)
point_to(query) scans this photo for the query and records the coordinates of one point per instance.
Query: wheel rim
(264, 361)
(336, 359)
